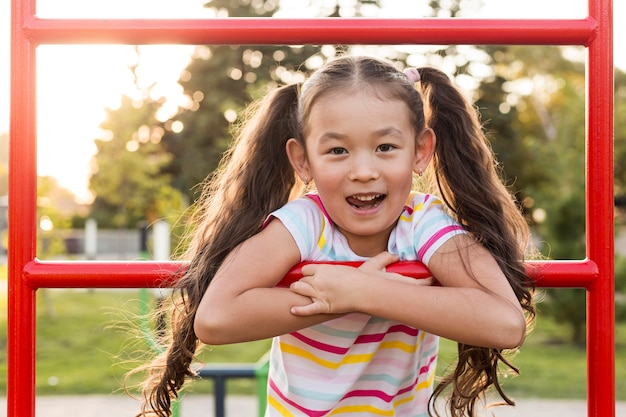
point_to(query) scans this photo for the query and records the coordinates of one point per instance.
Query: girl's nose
(362, 168)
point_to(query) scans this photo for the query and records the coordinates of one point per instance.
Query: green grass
(87, 340)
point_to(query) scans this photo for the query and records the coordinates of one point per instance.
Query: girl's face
(361, 153)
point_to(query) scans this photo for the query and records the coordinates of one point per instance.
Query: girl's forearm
(468, 315)
(255, 314)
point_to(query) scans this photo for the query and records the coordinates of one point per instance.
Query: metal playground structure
(27, 274)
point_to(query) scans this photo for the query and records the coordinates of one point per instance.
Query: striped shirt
(357, 364)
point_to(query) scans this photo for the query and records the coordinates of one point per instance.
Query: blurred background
(126, 134)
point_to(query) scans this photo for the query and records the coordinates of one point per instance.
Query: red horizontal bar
(147, 274)
(274, 31)
(410, 269)
(100, 274)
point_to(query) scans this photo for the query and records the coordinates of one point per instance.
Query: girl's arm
(474, 305)
(242, 304)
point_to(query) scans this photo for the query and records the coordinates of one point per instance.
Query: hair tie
(412, 74)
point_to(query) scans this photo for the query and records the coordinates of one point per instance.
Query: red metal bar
(22, 217)
(313, 31)
(147, 274)
(599, 216)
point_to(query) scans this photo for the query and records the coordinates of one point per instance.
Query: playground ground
(244, 406)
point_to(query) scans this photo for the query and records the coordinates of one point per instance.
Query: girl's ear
(425, 150)
(297, 156)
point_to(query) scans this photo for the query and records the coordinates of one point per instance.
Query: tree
(220, 82)
(512, 127)
(52, 217)
(128, 181)
(538, 134)
(563, 199)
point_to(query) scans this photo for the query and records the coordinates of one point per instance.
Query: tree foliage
(539, 137)
(128, 179)
(55, 206)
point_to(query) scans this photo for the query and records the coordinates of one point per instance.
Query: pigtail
(469, 182)
(254, 178)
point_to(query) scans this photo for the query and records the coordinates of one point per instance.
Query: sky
(77, 82)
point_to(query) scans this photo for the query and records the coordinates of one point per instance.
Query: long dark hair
(256, 178)
(468, 180)
(253, 179)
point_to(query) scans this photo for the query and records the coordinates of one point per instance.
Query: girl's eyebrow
(332, 136)
(385, 131)
(388, 131)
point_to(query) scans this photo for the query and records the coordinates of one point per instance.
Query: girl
(355, 340)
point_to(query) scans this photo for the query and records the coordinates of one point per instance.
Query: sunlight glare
(76, 83)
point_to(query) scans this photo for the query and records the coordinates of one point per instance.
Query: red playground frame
(27, 274)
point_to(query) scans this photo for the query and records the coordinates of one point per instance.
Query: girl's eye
(337, 151)
(385, 147)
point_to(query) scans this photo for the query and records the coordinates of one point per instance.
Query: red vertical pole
(599, 217)
(22, 217)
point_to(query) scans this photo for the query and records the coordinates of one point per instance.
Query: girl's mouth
(365, 201)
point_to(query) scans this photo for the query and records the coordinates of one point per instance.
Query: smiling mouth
(365, 201)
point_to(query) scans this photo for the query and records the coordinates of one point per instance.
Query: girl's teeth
(366, 198)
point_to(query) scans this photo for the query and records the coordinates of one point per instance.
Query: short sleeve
(423, 227)
(304, 220)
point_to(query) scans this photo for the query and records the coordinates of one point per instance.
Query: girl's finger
(379, 262)
(301, 288)
(307, 310)
(308, 269)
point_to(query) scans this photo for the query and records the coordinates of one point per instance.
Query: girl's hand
(336, 289)
(376, 266)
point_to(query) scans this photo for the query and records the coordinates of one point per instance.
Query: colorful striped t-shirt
(357, 364)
